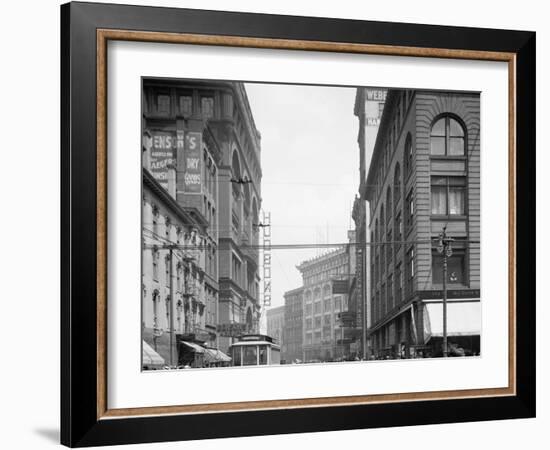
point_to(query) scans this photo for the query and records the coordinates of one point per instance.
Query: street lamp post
(445, 248)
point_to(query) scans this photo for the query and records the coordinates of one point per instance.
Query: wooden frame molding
(105, 35)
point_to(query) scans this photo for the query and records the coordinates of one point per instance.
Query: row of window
(447, 139)
(321, 321)
(390, 293)
(326, 336)
(315, 308)
(327, 292)
(448, 195)
(180, 103)
(325, 275)
(188, 314)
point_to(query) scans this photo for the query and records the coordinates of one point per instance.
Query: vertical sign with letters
(163, 144)
(192, 182)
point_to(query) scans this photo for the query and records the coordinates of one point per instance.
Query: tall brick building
(293, 338)
(369, 104)
(424, 175)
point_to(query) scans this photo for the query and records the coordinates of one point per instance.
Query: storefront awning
(213, 355)
(463, 319)
(195, 347)
(150, 357)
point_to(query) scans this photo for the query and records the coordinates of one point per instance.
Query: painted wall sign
(377, 95)
(192, 176)
(163, 144)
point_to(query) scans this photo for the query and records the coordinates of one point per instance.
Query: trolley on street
(255, 350)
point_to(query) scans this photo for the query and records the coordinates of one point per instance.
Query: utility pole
(172, 293)
(363, 301)
(445, 248)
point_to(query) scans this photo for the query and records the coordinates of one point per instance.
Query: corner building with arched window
(424, 175)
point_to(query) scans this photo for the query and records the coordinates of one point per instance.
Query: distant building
(325, 298)
(424, 175)
(293, 332)
(275, 318)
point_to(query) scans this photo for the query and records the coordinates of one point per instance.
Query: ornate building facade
(201, 147)
(325, 298)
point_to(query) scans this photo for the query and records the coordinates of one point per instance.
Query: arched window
(447, 137)
(408, 156)
(396, 186)
(249, 321)
(388, 207)
(382, 219)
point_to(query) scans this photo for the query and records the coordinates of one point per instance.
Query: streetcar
(255, 350)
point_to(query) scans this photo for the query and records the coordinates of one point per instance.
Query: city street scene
(298, 224)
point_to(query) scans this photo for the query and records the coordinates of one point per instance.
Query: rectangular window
(318, 322)
(250, 355)
(185, 105)
(308, 309)
(327, 319)
(389, 247)
(155, 265)
(383, 300)
(410, 270)
(308, 324)
(382, 257)
(448, 195)
(390, 292)
(337, 304)
(317, 308)
(456, 267)
(398, 283)
(327, 306)
(409, 204)
(207, 105)
(398, 229)
(163, 104)
(155, 224)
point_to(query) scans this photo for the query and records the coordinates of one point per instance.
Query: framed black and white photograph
(277, 224)
(256, 246)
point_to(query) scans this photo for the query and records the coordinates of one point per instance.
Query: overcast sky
(310, 165)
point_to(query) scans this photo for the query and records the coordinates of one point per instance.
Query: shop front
(463, 327)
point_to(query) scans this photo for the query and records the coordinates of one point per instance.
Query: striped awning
(195, 347)
(213, 355)
(150, 357)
